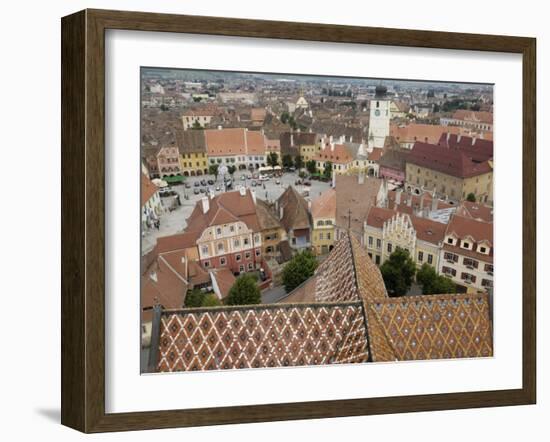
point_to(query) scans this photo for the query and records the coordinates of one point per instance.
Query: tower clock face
(377, 112)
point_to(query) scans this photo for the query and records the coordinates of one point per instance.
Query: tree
(398, 272)
(471, 197)
(311, 167)
(196, 125)
(272, 159)
(298, 162)
(327, 171)
(213, 170)
(244, 291)
(298, 269)
(231, 169)
(432, 283)
(284, 117)
(210, 300)
(287, 161)
(194, 298)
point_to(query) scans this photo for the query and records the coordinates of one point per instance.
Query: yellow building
(452, 171)
(323, 213)
(192, 152)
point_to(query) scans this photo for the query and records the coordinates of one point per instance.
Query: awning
(174, 179)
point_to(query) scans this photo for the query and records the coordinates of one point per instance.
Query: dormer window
(450, 240)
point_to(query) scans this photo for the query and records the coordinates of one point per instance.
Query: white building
(379, 118)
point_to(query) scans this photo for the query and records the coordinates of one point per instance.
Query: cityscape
(292, 220)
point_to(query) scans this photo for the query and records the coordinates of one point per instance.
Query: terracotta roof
(477, 149)
(335, 153)
(376, 154)
(295, 210)
(463, 227)
(350, 195)
(394, 159)
(178, 241)
(224, 208)
(225, 280)
(257, 114)
(220, 142)
(427, 133)
(450, 161)
(474, 116)
(255, 143)
(148, 189)
(477, 211)
(266, 217)
(324, 206)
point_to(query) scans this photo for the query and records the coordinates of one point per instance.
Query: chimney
(205, 204)
(153, 276)
(422, 202)
(220, 128)
(434, 203)
(342, 139)
(253, 193)
(309, 205)
(333, 179)
(398, 198)
(332, 147)
(361, 178)
(351, 138)
(410, 200)
(291, 139)
(281, 212)
(330, 139)
(242, 190)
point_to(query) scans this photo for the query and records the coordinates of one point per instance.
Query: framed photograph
(267, 221)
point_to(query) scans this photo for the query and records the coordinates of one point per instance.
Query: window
(486, 283)
(269, 249)
(204, 250)
(482, 249)
(206, 263)
(236, 243)
(389, 247)
(218, 230)
(237, 258)
(223, 261)
(450, 240)
(250, 266)
(378, 243)
(220, 247)
(450, 257)
(371, 240)
(468, 278)
(231, 228)
(430, 259)
(468, 262)
(370, 255)
(420, 256)
(257, 239)
(465, 244)
(245, 241)
(377, 259)
(247, 255)
(241, 268)
(258, 252)
(328, 235)
(321, 236)
(448, 271)
(489, 268)
(320, 223)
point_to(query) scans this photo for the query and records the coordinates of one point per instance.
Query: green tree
(287, 161)
(471, 197)
(231, 169)
(327, 172)
(432, 283)
(298, 269)
(272, 159)
(196, 125)
(398, 272)
(245, 291)
(311, 167)
(213, 170)
(298, 162)
(284, 117)
(210, 300)
(194, 298)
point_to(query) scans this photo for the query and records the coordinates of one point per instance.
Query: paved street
(174, 221)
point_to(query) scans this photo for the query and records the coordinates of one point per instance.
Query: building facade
(323, 216)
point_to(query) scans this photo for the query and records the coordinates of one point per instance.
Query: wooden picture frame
(83, 220)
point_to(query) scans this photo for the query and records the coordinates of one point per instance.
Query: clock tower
(379, 118)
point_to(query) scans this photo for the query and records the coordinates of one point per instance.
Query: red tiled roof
(476, 116)
(148, 189)
(450, 161)
(336, 153)
(324, 206)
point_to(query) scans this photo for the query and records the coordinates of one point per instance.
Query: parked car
(264, 177)
(307, 183)
(197, 184)
(203, 182)
(202, 190)
(243, 177)
(277, 181)
(297, 182)
(218, 188)
(253, 183)
(210, 182)
(196, 191)
(187, 186)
